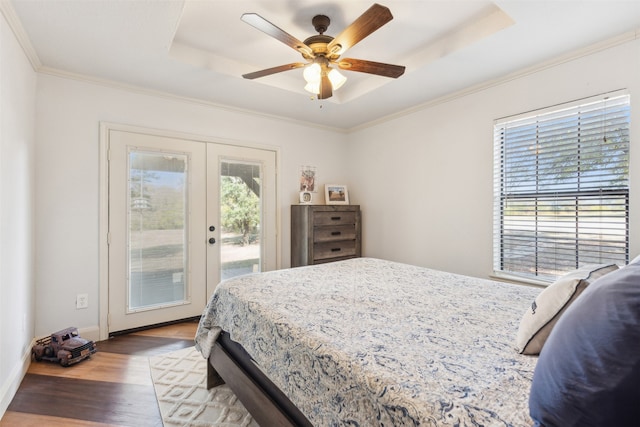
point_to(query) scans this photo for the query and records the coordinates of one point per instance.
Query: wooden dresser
(324, 233)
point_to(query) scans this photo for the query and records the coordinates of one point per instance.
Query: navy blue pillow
(588, 372)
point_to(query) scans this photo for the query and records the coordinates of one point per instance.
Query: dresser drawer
(334, 233)
(339, 249)
(329, 218)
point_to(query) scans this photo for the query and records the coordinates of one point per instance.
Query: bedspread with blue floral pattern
(368, 342)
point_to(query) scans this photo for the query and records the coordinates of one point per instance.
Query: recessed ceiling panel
(420, 32)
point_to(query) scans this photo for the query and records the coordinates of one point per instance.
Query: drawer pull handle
(336, 233)
(336, 218)
(335, 249)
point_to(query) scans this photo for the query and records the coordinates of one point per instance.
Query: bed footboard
(229, 363)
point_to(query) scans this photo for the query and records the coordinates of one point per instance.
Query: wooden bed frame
(229, 363)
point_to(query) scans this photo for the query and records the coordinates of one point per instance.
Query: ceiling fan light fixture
(312, 73)
(336, 78)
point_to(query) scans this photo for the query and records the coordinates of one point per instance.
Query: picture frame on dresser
(306, 198)
(336, 194)
(308, 177)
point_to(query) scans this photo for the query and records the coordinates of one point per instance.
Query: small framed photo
(335, 194)
(308, 177)
(306, 198)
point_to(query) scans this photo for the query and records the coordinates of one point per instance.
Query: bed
(367, 342)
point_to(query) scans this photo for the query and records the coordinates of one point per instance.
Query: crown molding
(12, 19)
(170, 96)
(571, 56)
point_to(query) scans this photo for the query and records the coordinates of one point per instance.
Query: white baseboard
(10, 387)
(91, 333)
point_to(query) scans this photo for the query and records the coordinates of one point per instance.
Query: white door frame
(103, 228)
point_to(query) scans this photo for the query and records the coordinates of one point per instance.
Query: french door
(241, 212)
(183, 214)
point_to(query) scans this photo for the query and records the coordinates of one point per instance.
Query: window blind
(561, 188)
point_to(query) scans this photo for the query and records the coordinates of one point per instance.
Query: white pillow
(539, 319)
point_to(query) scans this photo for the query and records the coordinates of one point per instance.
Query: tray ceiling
(200, 49)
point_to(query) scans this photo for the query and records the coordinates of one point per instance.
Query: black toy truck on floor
(65, 347)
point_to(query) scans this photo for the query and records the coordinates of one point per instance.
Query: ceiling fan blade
(326, 91)
(273, 70)
(375, 17)
(378, 68)
(268, 28)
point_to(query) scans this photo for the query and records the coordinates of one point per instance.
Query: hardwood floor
(113, 388)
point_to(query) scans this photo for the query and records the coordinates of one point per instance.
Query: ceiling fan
(322, 51)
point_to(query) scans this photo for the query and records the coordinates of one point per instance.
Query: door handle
(211, 239)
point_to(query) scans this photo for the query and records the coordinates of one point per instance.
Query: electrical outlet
(82, 301)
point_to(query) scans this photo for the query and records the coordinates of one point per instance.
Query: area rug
(179, 379)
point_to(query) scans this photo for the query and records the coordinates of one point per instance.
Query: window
(561, 188)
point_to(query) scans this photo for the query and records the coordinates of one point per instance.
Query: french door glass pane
(241, 217)
(157, 229)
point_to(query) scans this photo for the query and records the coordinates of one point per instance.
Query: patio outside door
(182, 215)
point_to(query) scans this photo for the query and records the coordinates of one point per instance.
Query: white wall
(429, 201)
(17, 141)
(67, 184)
